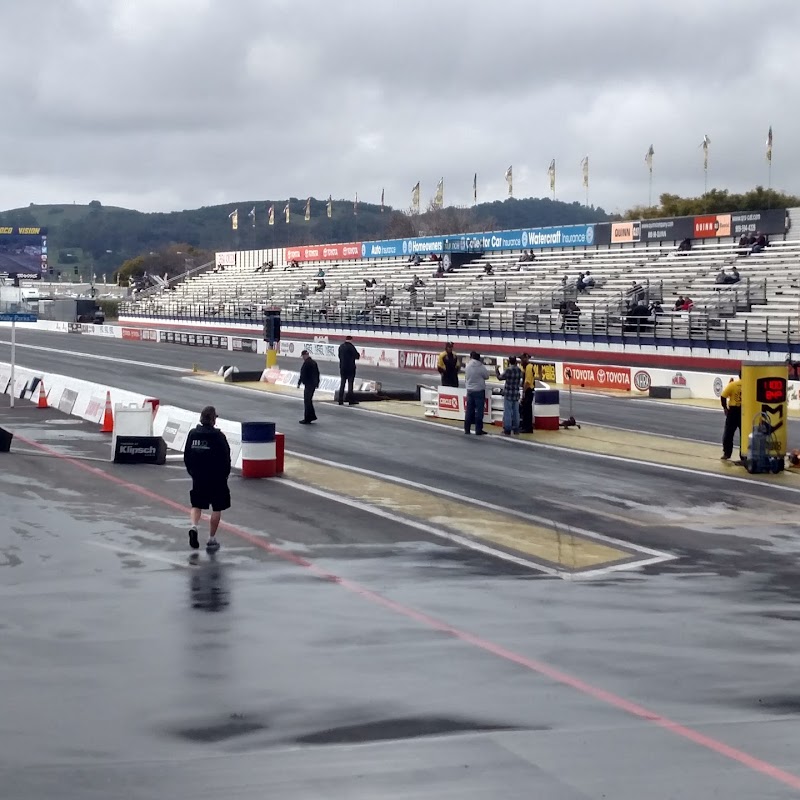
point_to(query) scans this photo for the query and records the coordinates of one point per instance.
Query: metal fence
(695, 330)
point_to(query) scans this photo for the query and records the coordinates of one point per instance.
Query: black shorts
(217, 495)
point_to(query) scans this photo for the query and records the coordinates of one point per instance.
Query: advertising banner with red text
(418, 359)
(599, 377)
(324, 252)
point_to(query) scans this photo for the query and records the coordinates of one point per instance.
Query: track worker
(513, 376)
(309, 377)
(731, 399)
(526, 405)
(348, 355)
(207, 457)
(447, 366)
(475, 377)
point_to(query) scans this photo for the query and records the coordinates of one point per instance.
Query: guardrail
(698, 330)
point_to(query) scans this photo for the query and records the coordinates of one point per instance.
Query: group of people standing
(519, 383)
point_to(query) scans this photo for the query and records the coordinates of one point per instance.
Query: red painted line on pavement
(533, 665)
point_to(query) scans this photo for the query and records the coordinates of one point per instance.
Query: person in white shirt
(475, 375)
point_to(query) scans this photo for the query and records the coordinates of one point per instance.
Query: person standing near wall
(475, 377)
(447, 366)
(731, 400)
(526, 405)
(513, 377)
(348, 355)
(309, 377)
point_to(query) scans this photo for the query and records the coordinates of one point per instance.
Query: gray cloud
(163, 104)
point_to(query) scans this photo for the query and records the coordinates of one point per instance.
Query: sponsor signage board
(418, 360)
(324, 252)
(518, 239)
(194, 339)
(244, 345)
(140, 450)
(452, 404)
(599, 377)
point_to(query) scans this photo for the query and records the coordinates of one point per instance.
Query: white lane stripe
(149, 554)
(489, 506)
(96, 357)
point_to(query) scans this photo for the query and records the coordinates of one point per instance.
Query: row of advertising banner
(736, 224)
(707, 226)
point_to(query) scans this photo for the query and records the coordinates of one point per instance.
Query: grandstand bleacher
(524, 298)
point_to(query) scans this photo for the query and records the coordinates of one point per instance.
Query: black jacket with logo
(348, 355)
(207, 454)
(309, 374)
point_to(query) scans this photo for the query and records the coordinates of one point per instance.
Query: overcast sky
(169, 104)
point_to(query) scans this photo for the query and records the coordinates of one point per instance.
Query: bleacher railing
(699, 329)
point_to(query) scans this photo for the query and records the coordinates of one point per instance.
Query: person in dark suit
(348, 355)
(309, 377)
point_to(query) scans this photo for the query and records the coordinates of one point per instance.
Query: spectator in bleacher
(348, 355)
(475, 377)
(513, 377)
(439, 271)
(369, 283)
(688, 304)
(760, 243)
(637, 292)
(570, 314)
(685, 246)
(320, 273)
(735, 276)
(321, 286)
(416, 281)
(489, 269)
(447, 366)
(526, 404)
(744, 243)
(679, 303)
(309, 377)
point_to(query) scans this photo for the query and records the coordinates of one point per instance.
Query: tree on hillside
(714, 201)
(452, 219)
(171, 261)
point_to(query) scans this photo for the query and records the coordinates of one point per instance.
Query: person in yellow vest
(731, 400)
(526, 404)
(447, 366)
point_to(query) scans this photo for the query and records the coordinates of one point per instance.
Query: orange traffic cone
(42, 397)
(108, 416)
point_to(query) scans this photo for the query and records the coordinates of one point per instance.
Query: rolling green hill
(86, 238)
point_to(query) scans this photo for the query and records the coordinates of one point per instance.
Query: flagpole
(650, 190)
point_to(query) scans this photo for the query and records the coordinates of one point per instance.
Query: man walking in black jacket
(207, 457)
(309, 377)
(348, 355)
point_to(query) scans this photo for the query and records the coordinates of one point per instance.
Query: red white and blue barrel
(546, 411)
(259, 457)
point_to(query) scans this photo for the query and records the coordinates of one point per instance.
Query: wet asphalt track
(421, 670)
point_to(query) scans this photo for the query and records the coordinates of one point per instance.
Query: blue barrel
(258, 432)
